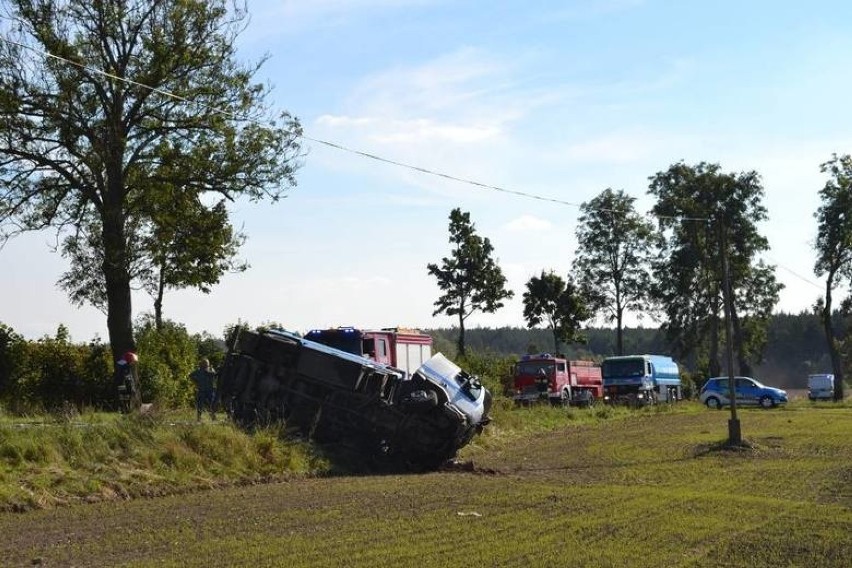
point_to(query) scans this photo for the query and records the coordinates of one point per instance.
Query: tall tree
(613, 259)
(187, 244)
(470, 278)
(104, 103)
(834, 250)
(703, 214)
(559, 305)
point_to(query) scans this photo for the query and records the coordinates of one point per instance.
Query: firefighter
(127, 382)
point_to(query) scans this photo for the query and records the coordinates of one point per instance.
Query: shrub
(166, 358)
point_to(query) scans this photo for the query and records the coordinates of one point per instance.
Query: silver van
(821, 387)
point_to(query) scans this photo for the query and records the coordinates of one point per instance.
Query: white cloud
(527, 224)
(389, 131)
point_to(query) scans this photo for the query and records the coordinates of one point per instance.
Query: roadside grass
(47, 460)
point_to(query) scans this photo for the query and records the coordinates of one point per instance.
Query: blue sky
(558, 99)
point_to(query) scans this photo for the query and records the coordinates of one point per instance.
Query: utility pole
(735, 437)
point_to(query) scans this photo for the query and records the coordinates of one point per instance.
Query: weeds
(63, 458)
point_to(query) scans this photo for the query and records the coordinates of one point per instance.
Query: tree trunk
(619, 331)
(742, 359)
(117, 278)
(158, 301)
(460, 345)
(714, 367)
(828, 327)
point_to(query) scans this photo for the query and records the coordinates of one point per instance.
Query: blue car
(749, 392)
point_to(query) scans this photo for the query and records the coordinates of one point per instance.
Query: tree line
(696, 266)
(795, 346)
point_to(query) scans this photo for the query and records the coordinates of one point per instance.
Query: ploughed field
(647, 488)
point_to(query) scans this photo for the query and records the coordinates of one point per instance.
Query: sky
(554, 99)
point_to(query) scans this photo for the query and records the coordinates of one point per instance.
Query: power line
(796, 274)
(361, 153)
(327, 143)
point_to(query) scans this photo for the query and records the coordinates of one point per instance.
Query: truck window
(382, 348)
(624, 368)
(534, 367)
(470, 385)
(344, 341)
(560, 367)
(368, 346)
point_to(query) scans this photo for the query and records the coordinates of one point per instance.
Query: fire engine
(555, 378)
(399, 347)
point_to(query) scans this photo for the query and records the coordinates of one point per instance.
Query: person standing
(205, 389)
(126, 380)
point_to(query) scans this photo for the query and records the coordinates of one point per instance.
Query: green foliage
(706, 216)
(559, 304)
(470, 278)
(12, 348)
(53, 371)
(834, 252)
(494, 371)
(613, 258)
(166, 358)
(210, 348)
(102, 153)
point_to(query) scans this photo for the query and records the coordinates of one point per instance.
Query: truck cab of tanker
(641, 379)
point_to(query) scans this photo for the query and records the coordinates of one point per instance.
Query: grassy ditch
(53, 460)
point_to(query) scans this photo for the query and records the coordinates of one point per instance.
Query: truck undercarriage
(335, 397)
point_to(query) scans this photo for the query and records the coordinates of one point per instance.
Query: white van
(821, 387)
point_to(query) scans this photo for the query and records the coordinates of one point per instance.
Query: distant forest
(795, 346)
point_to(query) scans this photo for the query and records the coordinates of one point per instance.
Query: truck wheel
(767, 402)
(713, 402)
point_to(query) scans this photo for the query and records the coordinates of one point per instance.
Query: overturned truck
(416, 421)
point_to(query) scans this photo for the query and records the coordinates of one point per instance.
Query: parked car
(749, 392)
(821, 387)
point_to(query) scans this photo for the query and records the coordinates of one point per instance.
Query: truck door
(382, 353)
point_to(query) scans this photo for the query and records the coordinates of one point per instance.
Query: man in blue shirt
(205, 388)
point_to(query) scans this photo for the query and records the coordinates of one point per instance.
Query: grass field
(544, 487)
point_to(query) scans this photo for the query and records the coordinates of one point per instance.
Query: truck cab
(641, 379)
(556, 379)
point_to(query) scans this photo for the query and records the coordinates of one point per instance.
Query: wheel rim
(712, 402)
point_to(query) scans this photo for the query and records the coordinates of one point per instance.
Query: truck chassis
(335, 397)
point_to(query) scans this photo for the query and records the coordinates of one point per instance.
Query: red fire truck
(555, 378)
(403, 348)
